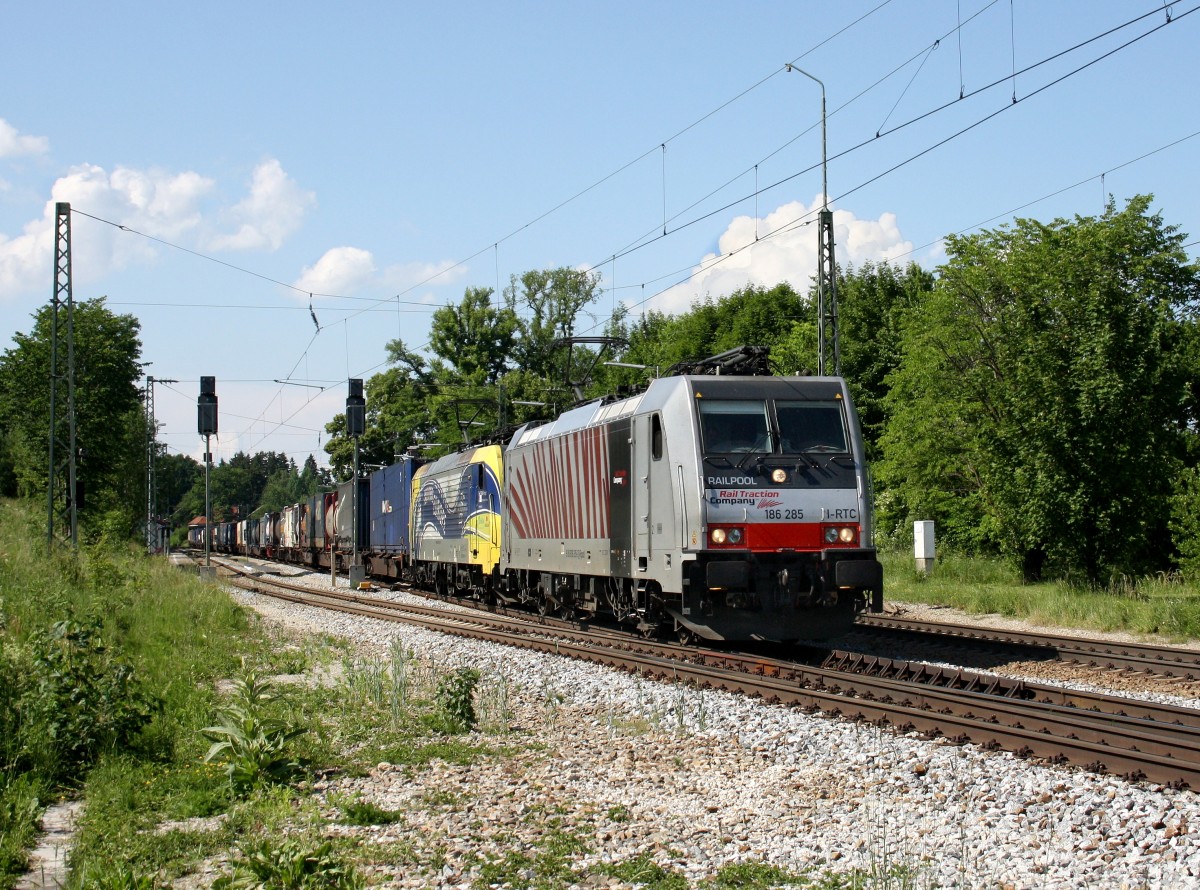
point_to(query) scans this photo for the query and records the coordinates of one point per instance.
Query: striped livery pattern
(559, 487)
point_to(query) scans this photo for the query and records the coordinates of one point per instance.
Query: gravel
(702, 779)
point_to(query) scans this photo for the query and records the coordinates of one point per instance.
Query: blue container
(391, 494)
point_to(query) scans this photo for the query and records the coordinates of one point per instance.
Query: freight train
(712, 506)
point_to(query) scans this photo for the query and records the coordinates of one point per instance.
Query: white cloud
(786, 250)
(162, 204)
(273, 210)
(340, 270)
(404, 277)
(165, 205)
(153, 202)
(14, 145)
(935, 255)
(343, 271)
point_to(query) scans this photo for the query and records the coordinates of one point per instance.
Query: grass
(1164, 605)
(107, 662)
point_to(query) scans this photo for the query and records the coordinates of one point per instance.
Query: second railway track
(1145, 658)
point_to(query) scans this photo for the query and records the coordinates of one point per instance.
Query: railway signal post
(206, 424)
(356, 421)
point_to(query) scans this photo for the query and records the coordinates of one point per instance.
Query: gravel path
(700, 779)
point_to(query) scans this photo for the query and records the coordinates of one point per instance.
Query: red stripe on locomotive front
(771, 537)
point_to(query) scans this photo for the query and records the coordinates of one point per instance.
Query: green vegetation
(110, 426)
(644, 871)
(455, 700)
(363, 812)
(1035, 394)
(111, 432)
(107, 666)
(542, 868)
(1042, 408)
(242, 486)
(1167, 604)
(290, 865)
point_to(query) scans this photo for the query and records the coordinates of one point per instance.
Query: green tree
(548, 303)
(1185, 520)
(233, 494)
(398, 414)
(872, 303)
(1041, 403)
(174, 476)
(776, 317)
(312, 477)
(473, 342)
(485, 359)
(109, 421)
(284, 488)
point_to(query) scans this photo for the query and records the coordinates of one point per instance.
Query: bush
(1185, 520)
(75, 703)
(20, 815)
(456, 699)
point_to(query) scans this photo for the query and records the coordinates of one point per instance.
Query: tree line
(112, 431)
(1035, 394)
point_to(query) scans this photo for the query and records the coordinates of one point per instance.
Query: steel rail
(1165, 660)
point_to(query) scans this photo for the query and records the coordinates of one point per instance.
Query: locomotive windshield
(731, 427)
(811, 426)
(751, 425)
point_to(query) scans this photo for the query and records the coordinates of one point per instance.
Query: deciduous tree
(109, 422)
(1040, 406)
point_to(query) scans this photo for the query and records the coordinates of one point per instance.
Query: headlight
(846, 535)
(726, 535)
(779, 475)
(831, 535)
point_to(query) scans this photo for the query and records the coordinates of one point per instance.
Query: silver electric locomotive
(720, 507)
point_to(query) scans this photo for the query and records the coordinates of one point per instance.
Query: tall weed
(254, 744)
(290, 865)
(455, 699)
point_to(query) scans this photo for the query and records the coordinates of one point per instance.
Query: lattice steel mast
(62, 494)
(151, 450)
(827, 314)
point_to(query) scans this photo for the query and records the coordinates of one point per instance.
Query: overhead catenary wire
(803, 220)
(634, 245)
(939, 143)
(1057, 192)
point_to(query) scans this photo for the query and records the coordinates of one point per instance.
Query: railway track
(1132, 657)
(1137, 739)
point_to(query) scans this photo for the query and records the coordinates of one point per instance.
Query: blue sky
(386, 156)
